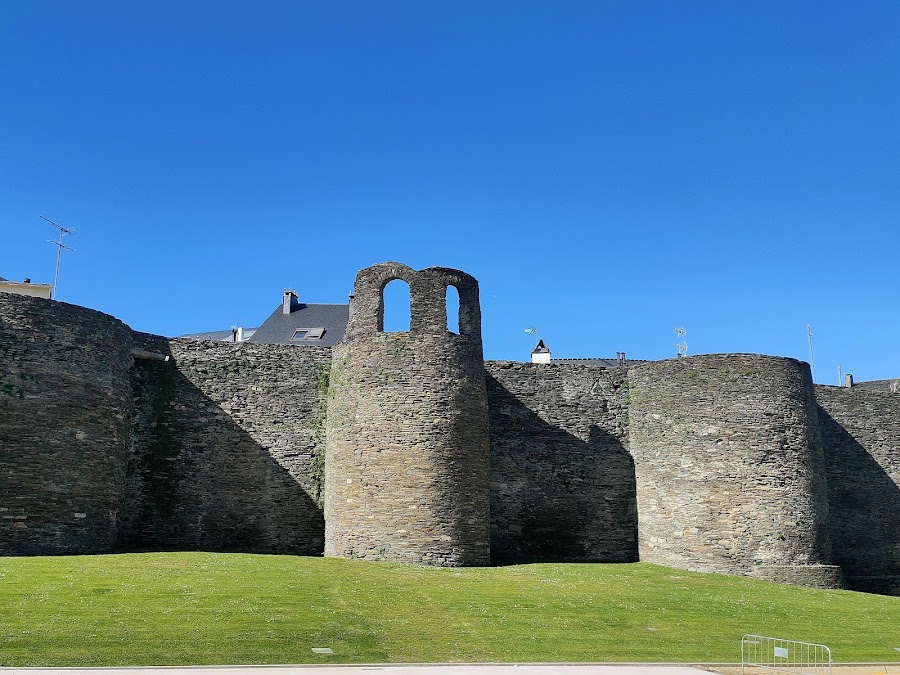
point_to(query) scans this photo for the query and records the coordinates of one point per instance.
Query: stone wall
(221, 447)
(729, 466)
(861, 431)
(562, 480)
(717, 462)
(64, 426)
(892, 385)
(407, 467)
(228, 448)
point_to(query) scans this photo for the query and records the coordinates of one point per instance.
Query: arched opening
(395, 300)
(453, 309)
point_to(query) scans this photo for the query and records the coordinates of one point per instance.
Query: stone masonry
(562, 479)
(729, 466)
(407, 463)
(409, 447)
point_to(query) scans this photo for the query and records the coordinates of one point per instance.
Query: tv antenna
(531, 330)
(63, 232)
(812, 361)
(681, 345)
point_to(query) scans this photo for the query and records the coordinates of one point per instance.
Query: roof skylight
(308, 334)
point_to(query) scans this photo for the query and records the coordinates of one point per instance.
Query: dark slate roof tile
(280, 327)
(217, 335)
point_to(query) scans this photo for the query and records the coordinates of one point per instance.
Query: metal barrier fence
(789, 656)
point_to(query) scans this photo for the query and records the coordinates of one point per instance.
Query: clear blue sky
(607, 170)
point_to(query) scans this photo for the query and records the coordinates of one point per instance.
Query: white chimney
(540, 354)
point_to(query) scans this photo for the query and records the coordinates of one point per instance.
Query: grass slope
(204, 608)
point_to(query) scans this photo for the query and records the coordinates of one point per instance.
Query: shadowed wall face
(729, 465)
(562, 481)
(223, 448)
(407, 467)
(228, 448)
(65, 410)
(861, 433)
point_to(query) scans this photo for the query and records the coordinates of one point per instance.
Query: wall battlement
(408, 446)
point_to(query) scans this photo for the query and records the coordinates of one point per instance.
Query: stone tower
(65, 419)
(730, 468)
(407, 470)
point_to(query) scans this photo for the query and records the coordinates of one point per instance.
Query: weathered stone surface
(227, 448)
(407, 463)
(421, 452)
(814, 576)
(64, 426)
(729, 464)
(861, 431)
(562, 480)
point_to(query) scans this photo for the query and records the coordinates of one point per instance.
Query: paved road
(387, 669)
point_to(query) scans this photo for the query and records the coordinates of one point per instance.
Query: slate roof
(541, 348)
(222, 335)
(279, 328)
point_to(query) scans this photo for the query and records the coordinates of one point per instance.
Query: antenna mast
(63, 232)
(812, 361)
(681, 345)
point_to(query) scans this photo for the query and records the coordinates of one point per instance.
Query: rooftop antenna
(812, 361)
(681, 345)
(63, 232)
(531, 330)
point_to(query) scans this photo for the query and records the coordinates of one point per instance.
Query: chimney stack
(289, 303)
(540, 354)
(848, 380)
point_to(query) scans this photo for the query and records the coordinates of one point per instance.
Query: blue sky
(608, 171)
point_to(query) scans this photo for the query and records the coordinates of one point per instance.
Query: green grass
(204, 608)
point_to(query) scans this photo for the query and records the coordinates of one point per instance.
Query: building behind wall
(26, 288)
(408, 446)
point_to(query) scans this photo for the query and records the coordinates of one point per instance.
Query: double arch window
(395, 302)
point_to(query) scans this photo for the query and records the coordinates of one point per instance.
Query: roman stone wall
(729, 466)
(65, 411)
(562, 480)
(892, 385)
(407, 467)
(228, 447)
(726, 463)
(861, 432)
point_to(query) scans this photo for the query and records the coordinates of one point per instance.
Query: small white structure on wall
(540, 354)
(25, 288)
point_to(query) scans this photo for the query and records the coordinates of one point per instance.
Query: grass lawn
(205, 608)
